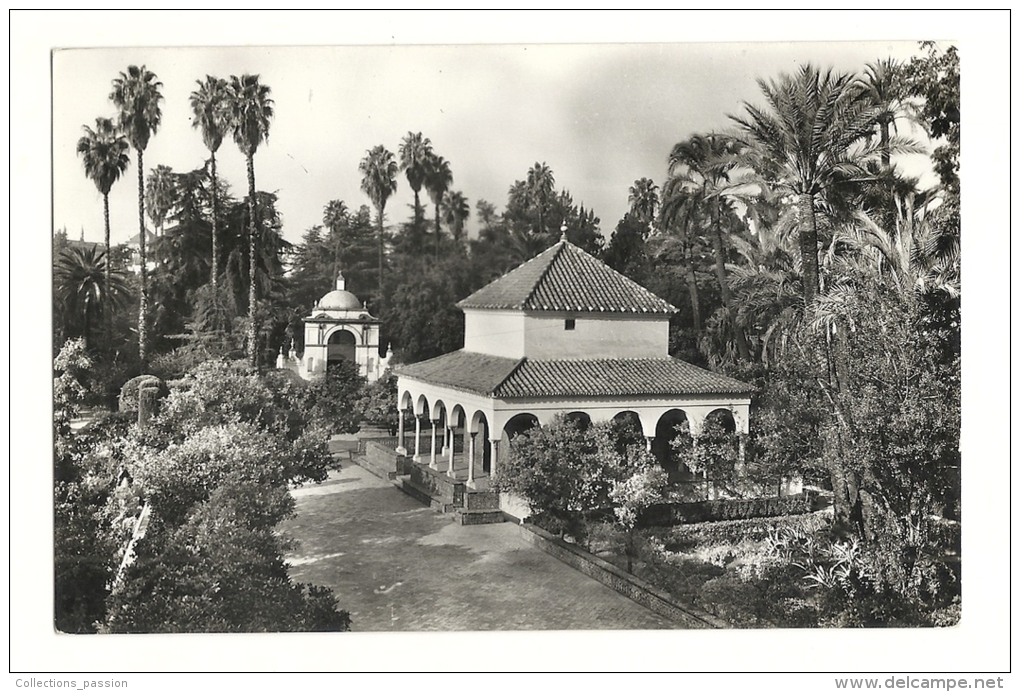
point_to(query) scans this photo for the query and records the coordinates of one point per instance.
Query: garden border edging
(628, 585)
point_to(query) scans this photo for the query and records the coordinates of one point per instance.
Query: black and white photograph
(508, 339)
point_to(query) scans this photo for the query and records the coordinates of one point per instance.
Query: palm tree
(160, 195)
(415, 152)
(678, 221)
(540, 185)
(812, 138)
(438, 179)
(379, 181)
(247, 111)
(136, 95)
(881, 83)
(207, 104)
(104, 156)
(644, 200)
(335, 215)
(456, 211)
(702, 165)
(85, 285)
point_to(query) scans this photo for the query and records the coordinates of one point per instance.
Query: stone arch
(671, 427)
(438, 412)
(520, 423)
(479, 424)
(341, 344)
(629, 430)
(421, 406)
(406, 401)
(725, 417)
(580, 418)
(458, 417)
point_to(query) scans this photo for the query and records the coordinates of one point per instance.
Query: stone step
(481, 500)
(468, 517)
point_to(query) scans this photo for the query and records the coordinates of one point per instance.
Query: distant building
(561, 334)
(341, 328)
(133, 246)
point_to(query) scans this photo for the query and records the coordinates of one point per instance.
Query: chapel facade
(561, 334)
(340, 328)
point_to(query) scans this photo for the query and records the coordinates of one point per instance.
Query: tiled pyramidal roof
(565, 278)
(510, 378)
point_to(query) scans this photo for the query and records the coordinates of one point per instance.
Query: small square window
(569, 324)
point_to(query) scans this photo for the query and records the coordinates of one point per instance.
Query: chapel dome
(340, 300)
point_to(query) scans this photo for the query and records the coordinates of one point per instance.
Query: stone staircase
(451, 496)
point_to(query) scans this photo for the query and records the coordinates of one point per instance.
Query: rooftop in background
(565, 278)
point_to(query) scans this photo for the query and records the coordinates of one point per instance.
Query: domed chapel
(561, 334)
(341, 328)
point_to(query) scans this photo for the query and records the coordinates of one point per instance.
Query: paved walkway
(398, 565)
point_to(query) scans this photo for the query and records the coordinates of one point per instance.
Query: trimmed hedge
(672, 514)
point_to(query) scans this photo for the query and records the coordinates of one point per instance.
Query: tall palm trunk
(419, 216)
(743, 351)
(883, 142)
(808, 238)
(252, 209)
(215, 227)
(380, 210)
(106, 227)
(143, 299)
(692, 289)
(438, 232)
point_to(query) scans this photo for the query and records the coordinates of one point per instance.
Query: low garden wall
(618, 580)
(379, 456)
(675, 513)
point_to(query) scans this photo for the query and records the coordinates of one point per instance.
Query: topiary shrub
(128, 402)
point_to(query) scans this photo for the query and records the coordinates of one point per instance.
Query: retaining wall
(618, 580)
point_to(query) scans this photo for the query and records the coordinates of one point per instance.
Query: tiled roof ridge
(556, 250)
(588, 258)
(513, 371)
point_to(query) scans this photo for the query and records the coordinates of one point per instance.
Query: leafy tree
(895, 433)
(137, 98)
(248, 111)
(423, 317)
(935, 78)
(219, 572)
(333, 402)
(564, 471)
(378, 403)
(104, 155)
(208, 106)
(379, 181)
(626, 249)
(632, 494)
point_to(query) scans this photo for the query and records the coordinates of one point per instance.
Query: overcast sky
(601, 116)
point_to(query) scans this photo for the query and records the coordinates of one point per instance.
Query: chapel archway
(342, 345)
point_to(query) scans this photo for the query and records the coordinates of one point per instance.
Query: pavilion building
(339, 328)
(561, 334)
